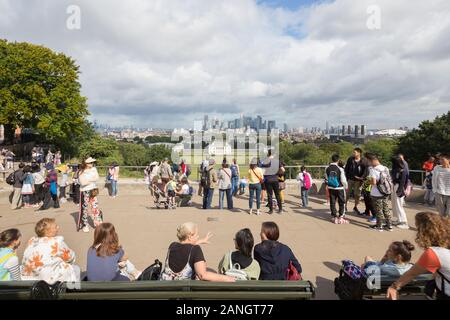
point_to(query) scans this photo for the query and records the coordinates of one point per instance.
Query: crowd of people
(364, 175)
(48, 257)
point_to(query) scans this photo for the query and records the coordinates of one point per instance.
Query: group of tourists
(47, 257)
(364, 175)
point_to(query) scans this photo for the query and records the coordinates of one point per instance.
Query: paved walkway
(146, 232)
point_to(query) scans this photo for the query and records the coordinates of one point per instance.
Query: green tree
(103, 150)
(158, 153)
(39, 89)
(430, 138)
(384, 148)
(133, 154)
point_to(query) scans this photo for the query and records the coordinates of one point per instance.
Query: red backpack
(307, 181)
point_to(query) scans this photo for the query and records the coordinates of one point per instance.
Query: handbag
(292, 273)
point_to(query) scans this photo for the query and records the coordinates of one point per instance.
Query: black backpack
(10, 179)
(152, 272)
(347, 288)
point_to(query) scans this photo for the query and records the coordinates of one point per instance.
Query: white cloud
(161, 63)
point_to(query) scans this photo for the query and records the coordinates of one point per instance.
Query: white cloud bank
(163, 63)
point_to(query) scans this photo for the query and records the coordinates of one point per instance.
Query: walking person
(400, 176)
(354, 171)
(19, 176)
(225, 178)
(113, 173)
(428, 186)
(210, 184)
(382, 188)
(88, 178)
(64, 170)
(9, 156)
(305, 182)
(255, 182)
(38, 177)
(441, 185)
(282, 181)
(57, 158)
(337, 183)
(272, 167)
(235, 175)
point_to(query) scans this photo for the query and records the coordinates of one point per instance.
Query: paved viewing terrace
(146, 232)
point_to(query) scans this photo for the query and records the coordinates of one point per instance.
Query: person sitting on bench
(185, 258)
(395, 262)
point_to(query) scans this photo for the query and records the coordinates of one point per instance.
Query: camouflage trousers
(382, 211)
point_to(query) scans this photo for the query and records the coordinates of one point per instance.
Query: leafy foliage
(430, 138)
(39, 89)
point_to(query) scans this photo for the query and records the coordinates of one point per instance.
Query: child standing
(27, 187)
(64, 170)
(169, 190)
(305, 183)
(428, 185)
(242, 186)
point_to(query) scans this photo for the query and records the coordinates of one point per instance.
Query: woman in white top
(88, 178)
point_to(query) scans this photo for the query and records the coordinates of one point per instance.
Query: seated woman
(433, 235)
(106, 256)
(185, 258)
(396, 260)
(9, 262)
(274, 257)
(47, 257)
(184, 195)
(242, 258)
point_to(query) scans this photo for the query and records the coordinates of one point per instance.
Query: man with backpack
(165, 172)
(210, 184)
(16, 180)
(337, 183)
(235, 174)
(382, 188)
(354, 171)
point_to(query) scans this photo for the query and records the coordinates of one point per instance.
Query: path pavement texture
(146, 232)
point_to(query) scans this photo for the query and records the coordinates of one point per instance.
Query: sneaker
(250, 211)
(388, 228)
(372, 220)
(85, 229)
(403, 226)
(356, 211)
(270, 212)
(376, 228)
(258, 213)
(343, 221)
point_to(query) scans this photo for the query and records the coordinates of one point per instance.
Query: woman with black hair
(400, 175)
(241, 259)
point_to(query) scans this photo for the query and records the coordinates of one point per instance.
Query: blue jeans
(255, 188)
(234, 185)
(222, 193)
(304, 193)
(207, 197)
(113, 188)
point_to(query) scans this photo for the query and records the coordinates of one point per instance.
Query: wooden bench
(416, 288)
(148, 290)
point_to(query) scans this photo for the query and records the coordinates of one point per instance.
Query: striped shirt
(441, 180)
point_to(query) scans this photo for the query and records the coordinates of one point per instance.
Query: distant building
(390, 132)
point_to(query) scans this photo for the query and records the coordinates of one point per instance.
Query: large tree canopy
(39, 89)
(430, 138)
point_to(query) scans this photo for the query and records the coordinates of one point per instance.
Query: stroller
(159, 196)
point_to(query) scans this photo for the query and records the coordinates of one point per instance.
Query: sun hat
(254, 161)
(90, 160)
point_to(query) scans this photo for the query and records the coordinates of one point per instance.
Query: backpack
(204, 177)
(10, 179)
(292, 273)
(233, 169)
(384, 184)
(152, 272)
(235, 271)
(351, 282)
(333, 176)
(306, 181)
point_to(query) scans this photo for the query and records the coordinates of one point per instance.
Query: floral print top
(48, 259)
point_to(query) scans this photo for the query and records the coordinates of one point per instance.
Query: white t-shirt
(185, 189)
(375, 172)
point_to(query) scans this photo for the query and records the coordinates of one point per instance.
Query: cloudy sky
(166, 63)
